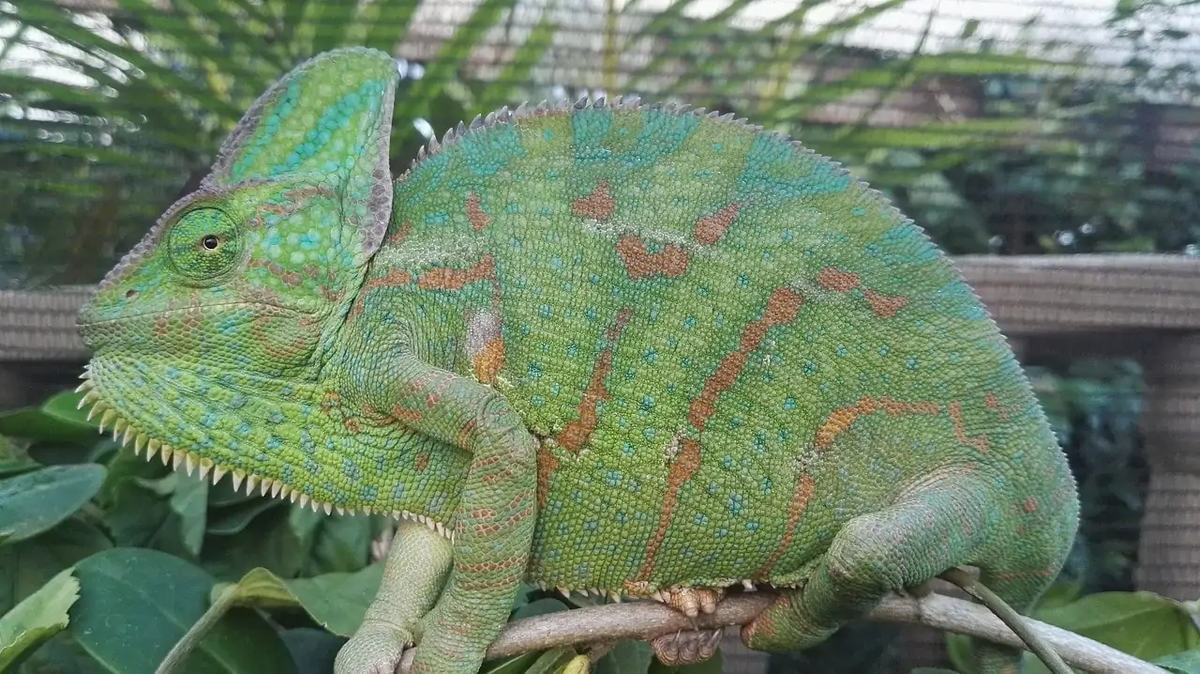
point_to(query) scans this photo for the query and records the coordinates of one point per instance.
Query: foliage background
(111, 109)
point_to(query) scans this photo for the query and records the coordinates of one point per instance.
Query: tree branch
(645, 620)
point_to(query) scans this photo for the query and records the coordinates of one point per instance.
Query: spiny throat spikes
(128, 435)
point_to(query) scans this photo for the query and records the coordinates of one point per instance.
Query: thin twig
(182, 648)
(645, 620)
(1005, 613)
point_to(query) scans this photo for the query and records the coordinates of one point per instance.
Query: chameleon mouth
(127, 434)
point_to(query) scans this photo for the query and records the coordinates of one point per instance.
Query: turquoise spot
(911, 362)
(612, 478)
(662, 134)
(735, 504)
(649, 432)
(789, 404)
(436, 218)
(727, 461)
(547, 134)
(487, 153)
(274, 442)
(743, 280)
(810, 367)
(858, 211)
(534, 370)
(700, 519)
(771, 167)
(589, 128)
(627, 449)
(884, 350)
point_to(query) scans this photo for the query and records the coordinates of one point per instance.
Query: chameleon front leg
(413, 576)
(494, 523)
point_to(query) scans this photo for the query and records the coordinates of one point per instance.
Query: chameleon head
(209, 338)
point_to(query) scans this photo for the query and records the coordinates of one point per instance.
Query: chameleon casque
(625, 349)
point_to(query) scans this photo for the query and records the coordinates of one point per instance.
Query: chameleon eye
(203, 244)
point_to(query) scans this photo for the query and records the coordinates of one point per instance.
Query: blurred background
(1053, 149)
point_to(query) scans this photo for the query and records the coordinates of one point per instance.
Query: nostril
(130, 294)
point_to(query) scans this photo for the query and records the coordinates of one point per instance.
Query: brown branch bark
(645, 620)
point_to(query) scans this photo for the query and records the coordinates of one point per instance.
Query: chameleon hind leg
(418, 562)
(944, 522)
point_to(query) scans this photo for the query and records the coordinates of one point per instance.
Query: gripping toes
(687, 648)
(691, 601)
(375, 648)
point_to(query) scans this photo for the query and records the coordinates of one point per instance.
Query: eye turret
(204, 244)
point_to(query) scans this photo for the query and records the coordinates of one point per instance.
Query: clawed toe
(687, 648)
(371, 651)
(691, 601)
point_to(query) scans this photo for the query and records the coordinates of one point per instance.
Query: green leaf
(235, 520)
(522, 63)
(189, 502)
(61, 653)
(1142, 624)
(342, 542)
(387, 22)
(65, 408)
(11, 462)
(336, 601)
(17, 466)
(33, 423)
(40, 616)
(149, 598)
(542, 606)
(269, 541)
(36, 501)
(313, 650)
(452, 54)
(627, 657)
(30, 564)
(8, 451)
(969, 28)
(1186, 662)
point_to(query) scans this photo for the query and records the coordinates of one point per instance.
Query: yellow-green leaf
(40, 616)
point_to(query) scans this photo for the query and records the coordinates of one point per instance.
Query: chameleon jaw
(127, 435)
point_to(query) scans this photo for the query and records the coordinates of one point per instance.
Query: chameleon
(641, 351)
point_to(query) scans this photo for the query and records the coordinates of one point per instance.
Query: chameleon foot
(374, 649)
(687, 648)
(690, 601)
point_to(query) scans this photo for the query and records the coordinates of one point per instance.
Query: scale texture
(613, 347)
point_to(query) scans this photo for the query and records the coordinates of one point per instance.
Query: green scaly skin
(608, 347)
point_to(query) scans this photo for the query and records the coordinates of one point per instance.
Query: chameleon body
(636, 350)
